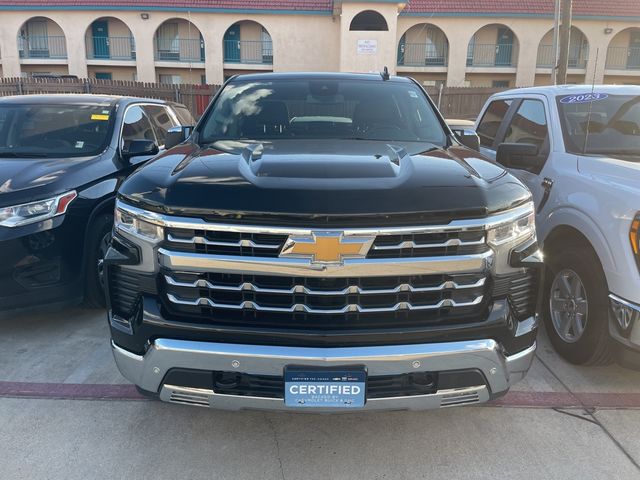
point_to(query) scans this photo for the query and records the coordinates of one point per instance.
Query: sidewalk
(86, 421)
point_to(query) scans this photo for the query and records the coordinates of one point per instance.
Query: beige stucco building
(507, 43)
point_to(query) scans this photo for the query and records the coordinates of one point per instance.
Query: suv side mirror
(519, 155)
(139, 148)
(468, 138)
(177, 135)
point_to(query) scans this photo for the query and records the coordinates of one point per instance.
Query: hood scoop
(270, 161)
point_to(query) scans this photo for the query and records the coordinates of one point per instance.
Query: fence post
(87, 86)
(19, 85)
(177, 93)
(440, 95)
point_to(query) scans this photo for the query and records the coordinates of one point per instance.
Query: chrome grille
(250, 244)
(323, 295)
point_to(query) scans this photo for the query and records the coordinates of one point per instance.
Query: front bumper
(500, 371)
(624, 327)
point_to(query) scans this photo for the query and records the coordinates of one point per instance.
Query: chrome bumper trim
(501, 372)
(193, 223)
(352, 267)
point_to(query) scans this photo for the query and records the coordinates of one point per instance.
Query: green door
(100, 31)
(633, 56)
(504, 47)
(232, 44)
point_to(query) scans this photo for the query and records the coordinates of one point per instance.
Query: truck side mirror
(519, 155)
(139, 148)
(177, 135)
(468, 138)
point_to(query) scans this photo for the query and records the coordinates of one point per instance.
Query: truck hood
(333, 177)
(620, 173)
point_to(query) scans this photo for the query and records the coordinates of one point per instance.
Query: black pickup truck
(322, 242)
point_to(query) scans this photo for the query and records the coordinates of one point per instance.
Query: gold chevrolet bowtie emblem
(326, 247)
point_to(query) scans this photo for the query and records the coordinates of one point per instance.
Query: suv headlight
(33, 212)
(505, 237)
(634, 236)
(515, 232)
(127, 221)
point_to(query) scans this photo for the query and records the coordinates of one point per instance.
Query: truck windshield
(323, 109)
(32, 130)
(601, 124)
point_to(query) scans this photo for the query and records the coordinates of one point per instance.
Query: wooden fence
(463, 102)
(195, 97)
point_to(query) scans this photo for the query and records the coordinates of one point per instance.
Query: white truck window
(491, 120)
(529, 124)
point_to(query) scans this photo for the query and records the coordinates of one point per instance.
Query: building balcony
(42, 47)
(179, 50)
(249, 52)
(623, 58)
(111, 48)
(423, 55)
(492, 55)
(577, 59)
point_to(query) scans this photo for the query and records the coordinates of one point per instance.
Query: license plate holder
(325, 387)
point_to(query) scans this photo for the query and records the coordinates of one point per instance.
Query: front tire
(97, 244)
(576, 306)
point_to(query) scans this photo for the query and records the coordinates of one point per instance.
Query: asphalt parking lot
(65, 412)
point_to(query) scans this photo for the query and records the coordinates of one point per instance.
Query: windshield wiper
(22, 155)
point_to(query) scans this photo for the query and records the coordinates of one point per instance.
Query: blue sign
(583, 98)
(324, 388)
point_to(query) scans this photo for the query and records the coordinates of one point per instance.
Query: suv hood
(26, 179)
(333, 177)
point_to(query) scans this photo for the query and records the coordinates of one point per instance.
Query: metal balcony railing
(54, 47)
(577, 57)
(258, 52)
(423, 55)
(111, 48)
(179, 49)
(491, 55)
(623, 58)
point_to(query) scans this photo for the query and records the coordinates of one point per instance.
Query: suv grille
(269, 245)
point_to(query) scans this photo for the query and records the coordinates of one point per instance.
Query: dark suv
(323, 241)
(62, 157)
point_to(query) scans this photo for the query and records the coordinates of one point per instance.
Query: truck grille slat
(352, 289)
(305, 308)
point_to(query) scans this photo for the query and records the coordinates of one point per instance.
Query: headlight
(34, 212)
(128, 222)
(514, 232)
(634, 236)
(506, 237)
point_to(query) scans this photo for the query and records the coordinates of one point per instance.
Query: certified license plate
(330, 388)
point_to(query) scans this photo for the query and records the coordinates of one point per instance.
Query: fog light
(625, 313)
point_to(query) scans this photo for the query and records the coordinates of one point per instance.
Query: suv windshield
(601, 124)
(323, 109)
(54, 130)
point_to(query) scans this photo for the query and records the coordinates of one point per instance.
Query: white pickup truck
(577, 148)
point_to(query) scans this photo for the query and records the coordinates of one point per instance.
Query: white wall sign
(367, 47)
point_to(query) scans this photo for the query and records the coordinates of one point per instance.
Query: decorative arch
(368, 21)
(41, 37)
(110, 38)
(623, 52)
(422, 45)
(178, 39)
(247, 42)
(493, 45)
(578, 50)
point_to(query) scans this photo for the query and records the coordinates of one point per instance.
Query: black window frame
(545, 150)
